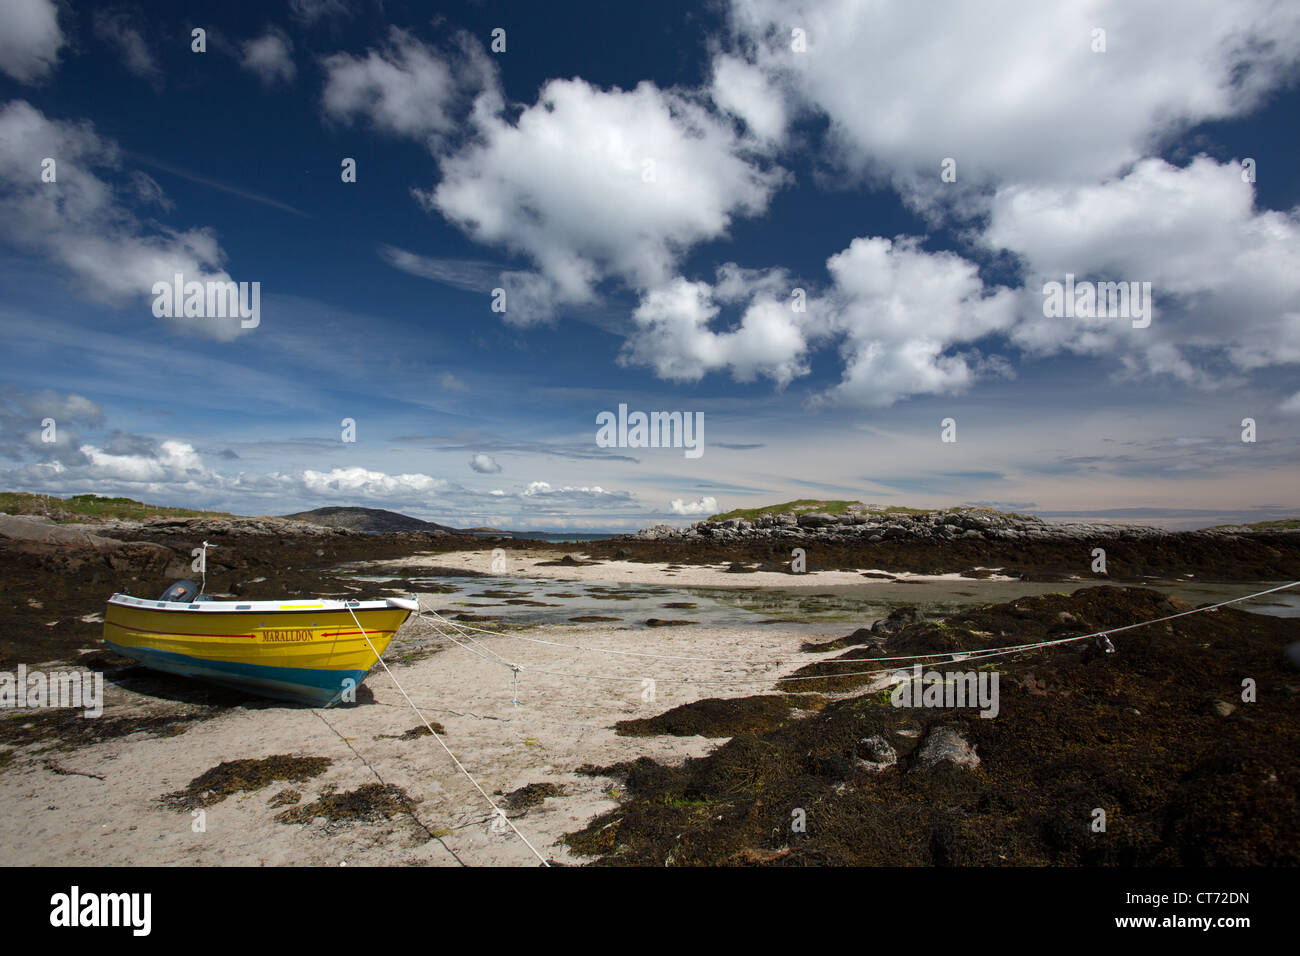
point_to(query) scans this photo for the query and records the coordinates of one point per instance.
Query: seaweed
(1078, 730)
(236, 776)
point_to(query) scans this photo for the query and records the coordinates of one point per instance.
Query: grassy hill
(80, 507)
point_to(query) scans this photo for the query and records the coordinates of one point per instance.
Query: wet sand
(547, 564)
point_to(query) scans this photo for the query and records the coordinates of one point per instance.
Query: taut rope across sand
(495, 809)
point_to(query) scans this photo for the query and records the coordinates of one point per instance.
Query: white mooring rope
(495, 809)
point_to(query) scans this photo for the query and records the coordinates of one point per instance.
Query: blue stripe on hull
(301, 685)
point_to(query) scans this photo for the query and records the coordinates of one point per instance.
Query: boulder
(1221, 708)
(876, 753)
(945, 745)
(66, 547)
(898, 618)
(816, 519)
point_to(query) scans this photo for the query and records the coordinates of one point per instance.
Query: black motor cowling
(183, 592)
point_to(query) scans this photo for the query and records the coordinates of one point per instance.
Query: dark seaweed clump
(235, 776)
(532, 795)
(369, 803)
(415, 732)
(713, 717)
(1156, 735)
(68, 728)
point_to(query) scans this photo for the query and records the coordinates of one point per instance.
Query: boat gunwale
(326, 606)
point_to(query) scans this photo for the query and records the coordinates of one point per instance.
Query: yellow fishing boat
(314, 652)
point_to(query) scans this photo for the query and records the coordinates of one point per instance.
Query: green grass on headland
(801, 506)
(92, 506)
(1281, 524)
(809, 505)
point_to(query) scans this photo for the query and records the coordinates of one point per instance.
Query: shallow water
(540, 601)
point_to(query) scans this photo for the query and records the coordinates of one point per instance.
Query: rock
(899, 618)
(816, 519)
(876, 753)
(1221, 708)
(1065, 617)
(65, 547)
(861, 636)
(945, 745)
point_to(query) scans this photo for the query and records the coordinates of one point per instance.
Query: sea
(558, 537)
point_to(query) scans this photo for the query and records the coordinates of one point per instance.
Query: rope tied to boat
(500, 813)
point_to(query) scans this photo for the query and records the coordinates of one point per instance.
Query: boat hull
(306, 653)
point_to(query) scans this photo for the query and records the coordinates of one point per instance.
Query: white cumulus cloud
(269, 57)
(590, 184)
(1226, 276)
(30, 38)
(83, 222)
(674, 338)
(484, 464)
(708, 505)
(405, 88)
(1014, 91)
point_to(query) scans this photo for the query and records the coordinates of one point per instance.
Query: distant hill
(374, 520)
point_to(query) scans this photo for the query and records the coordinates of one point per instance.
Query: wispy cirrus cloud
(472, 275)
(125, 35)
(572, 450)
(228, 188)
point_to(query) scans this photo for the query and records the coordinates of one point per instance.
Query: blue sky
(649, 185)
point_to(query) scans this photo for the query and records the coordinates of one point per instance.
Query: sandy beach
(178, 773)
(100, 804)
(525, 563)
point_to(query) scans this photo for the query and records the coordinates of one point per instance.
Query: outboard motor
(182, 592)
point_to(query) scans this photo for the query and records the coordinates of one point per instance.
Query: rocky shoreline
(54, 573)
(967, 524)
(970, 541)
(1157, 734)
